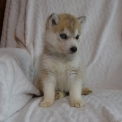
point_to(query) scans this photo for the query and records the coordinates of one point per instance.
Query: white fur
(60, 45)
(63, 71)
(62, 76)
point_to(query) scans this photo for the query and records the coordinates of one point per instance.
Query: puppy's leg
(49, 91)
(75, 91)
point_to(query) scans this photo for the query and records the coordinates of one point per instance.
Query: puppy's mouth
(71, 53)
(68, 53)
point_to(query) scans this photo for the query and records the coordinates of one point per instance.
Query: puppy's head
(63, 32)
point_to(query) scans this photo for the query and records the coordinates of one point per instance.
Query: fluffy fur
(60, 66)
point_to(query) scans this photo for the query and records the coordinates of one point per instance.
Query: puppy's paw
(59, 95)
(45, 104)
(77, 103)
(86, 91)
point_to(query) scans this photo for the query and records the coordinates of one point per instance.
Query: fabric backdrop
(101, 40)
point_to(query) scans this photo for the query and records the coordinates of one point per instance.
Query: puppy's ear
(53, 19)
(81, 19)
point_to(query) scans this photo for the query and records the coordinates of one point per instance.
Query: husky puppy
(60, 64)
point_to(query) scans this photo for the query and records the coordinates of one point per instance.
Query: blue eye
(63, 36)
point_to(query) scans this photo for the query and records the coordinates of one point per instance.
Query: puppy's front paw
(76, 103)
(46, 104)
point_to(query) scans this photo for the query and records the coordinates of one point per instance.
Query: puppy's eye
(77, 37)
(63, 36)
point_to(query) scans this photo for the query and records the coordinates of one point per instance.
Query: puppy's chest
(62, 70)
(63, 73)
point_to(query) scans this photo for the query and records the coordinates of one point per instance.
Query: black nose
(73, 49)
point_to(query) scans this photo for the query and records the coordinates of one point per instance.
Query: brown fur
(66, 21)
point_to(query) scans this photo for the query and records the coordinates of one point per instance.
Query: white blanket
(100, 106)
(16, 86)
(101, 47)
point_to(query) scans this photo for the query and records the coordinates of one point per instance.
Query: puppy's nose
(73, 49)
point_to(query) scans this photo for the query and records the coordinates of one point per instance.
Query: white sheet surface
(101, 47)
(16, 86)
(100, 106)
